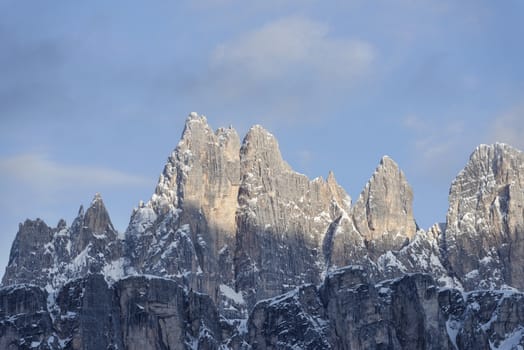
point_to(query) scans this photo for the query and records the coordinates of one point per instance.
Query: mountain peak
(383, 213)
(97, 198)
(493, 150)
(236, 223)
(331, 178)
(387, 161)
(97, 218)
(260, 145)
(485, 217)
(195, 126)
(195, 117)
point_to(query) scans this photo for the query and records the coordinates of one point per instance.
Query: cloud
(509, 128)
(285, 72)
(437, 146)
(36, 171)
(292, 44)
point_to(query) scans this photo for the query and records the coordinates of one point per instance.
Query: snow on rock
(227, 214)
(230, 293)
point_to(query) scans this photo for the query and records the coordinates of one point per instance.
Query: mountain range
(236, 250)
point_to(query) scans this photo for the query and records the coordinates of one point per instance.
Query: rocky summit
(236, 250)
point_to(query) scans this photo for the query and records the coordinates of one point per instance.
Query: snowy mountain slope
(233, 221)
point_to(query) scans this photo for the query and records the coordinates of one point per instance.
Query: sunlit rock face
(187, 230)
(282, 220)
(235, 249)
(383, 214)
(485, 221)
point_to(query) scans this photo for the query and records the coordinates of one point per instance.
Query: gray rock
(349, 312)
(383, 213)
(160, 314)
(282, 220)
(24, 320)
(135, 313)
(231, 227)
(28, 256)
(485, 221)
(50, 257)
(296, 320)
(188, 227)
(86, 315)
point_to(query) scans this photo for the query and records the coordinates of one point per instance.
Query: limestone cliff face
(88, 314)
(230, 225)
(485, 221)
(203, 175)
(188, 227)
(348, 311)
(383, 213)
(94, 231)
(49, 257)
(380, 231)
(282, 220)
(27, 259)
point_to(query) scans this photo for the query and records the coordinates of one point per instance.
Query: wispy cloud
(42, 174)
(294, 43)
(437, 145)
(290, 70)
(509, 128)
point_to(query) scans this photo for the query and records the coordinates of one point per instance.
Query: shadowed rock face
(136, 313)
(26, 257)
(282, 220)
(350, 312)
(485, 221)
(226, 216)
(233, 221)
(347, 311)
(24, 319)
(49, 257)
(188, 227)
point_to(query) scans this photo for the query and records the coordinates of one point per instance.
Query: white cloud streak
(39, 173)
(294, 43)
(436, 145)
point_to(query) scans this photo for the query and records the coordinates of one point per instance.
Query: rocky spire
(485, 220)
(95, 222)
(383, 213)
(201, 171)
(27, 258)
(49, 257)
(282, 219)
(97, 218)
(193, 208)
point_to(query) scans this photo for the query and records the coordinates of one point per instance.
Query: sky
(94, 94)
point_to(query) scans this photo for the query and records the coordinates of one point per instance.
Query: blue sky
(94, 95)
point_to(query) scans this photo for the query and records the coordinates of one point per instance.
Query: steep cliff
(383, 214)
(349, 312)
(187, 229)
(49, 257)
(485, 221)
(236, 250)
(282, 220)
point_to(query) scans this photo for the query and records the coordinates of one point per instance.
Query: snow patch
(230, 293)
(114, 270)
(452, 328)
(512, 341)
